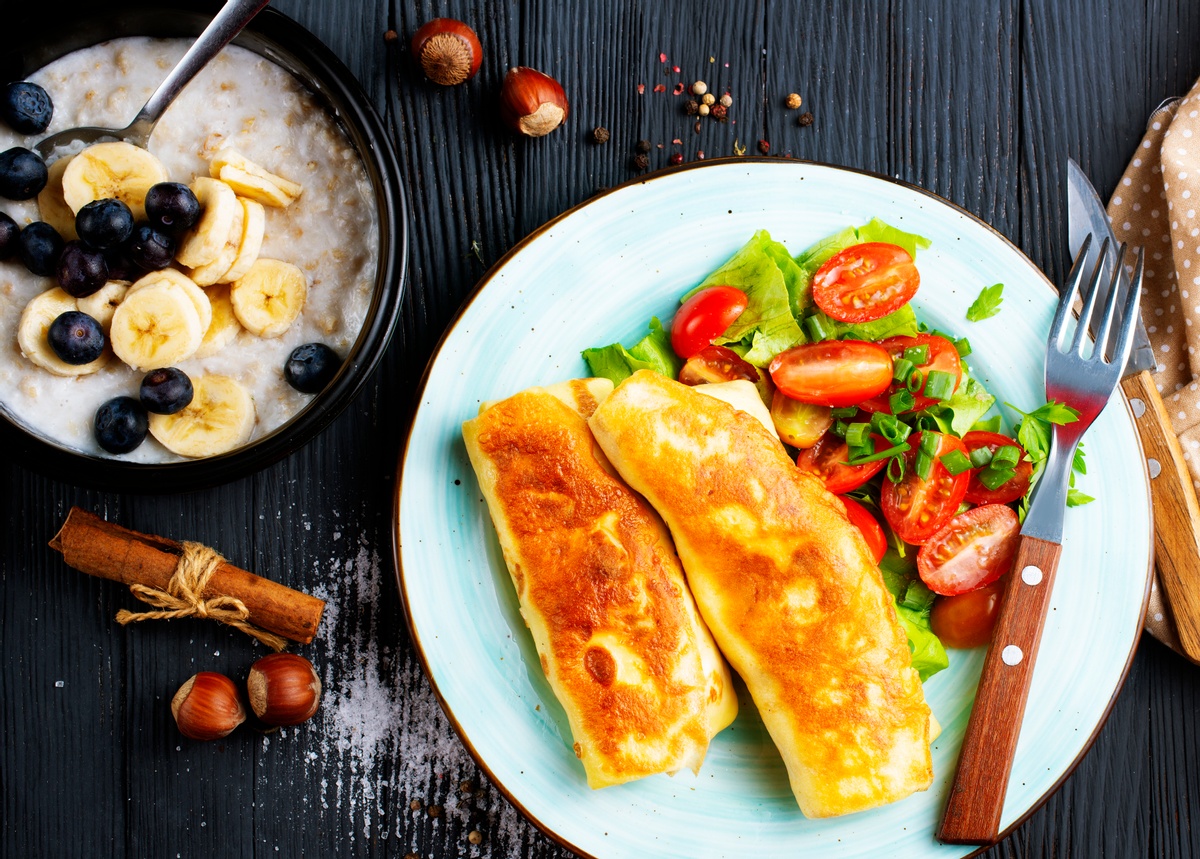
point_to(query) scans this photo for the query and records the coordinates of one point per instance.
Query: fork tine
(1110, 306)
(1130, 313)
(1089, 302)
(1067, 297)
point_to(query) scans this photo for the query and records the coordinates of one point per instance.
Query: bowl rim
(489, 275)
(286, 43)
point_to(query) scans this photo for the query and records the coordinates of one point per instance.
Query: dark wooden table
(981, 102)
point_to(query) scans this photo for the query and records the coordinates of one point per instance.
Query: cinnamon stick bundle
(100, 548)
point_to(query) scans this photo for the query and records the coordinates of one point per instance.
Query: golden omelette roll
(788, 588)
(600, 587)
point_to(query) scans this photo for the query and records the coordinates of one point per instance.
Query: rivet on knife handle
(1176, 511)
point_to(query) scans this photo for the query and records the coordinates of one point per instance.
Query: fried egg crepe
(788, 588)
(600, 587)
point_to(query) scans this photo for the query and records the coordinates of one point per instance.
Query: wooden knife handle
(1176, 512)
(977, 796)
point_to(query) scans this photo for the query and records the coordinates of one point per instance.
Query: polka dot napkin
(1156, 206)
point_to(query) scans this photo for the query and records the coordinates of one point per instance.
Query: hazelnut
(793, 101)
(531, 102)
(207, 706)
(284, 689)
(448, 51)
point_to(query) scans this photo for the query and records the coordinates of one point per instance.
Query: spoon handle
(234, 15)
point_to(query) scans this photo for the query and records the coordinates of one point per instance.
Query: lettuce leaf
(902, 321)
(913, 604)
(652, 352)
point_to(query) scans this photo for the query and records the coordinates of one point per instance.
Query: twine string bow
(184, 597)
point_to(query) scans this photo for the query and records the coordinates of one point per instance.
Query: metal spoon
(234, 15)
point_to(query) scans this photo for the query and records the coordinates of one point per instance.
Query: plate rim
(538, 232)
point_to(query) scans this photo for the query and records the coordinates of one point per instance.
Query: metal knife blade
(1086, 214)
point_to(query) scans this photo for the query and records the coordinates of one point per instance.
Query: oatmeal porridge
(241, 119)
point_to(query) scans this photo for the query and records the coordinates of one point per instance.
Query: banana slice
(213, 272)
(119, 170)
(156, 326)
(224, 326)
(254, 227)
(103, 304)
(35, 321)
(251, 180)
(52, 208)
(205, 241)
(197, 295)
(219, 418)
(269, 297)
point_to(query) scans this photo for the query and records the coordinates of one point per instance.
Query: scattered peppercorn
(677, 158)
(642, 146)
(691, 107)
(806, 119)
(434, 811)
(719, 112)
(708, 98)
(699, 88)
(466, 786)
(704, 110)
(415, 805)
(412, 856)
(475, 836)
(696, 127)
(793, 101)
(600, 134)
(391, 36)
(764, 147)
(699, 154)
(641, 162)
(727, 100)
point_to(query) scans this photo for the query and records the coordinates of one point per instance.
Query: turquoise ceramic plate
(596, 275)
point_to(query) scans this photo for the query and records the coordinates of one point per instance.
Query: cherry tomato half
(942, 356)
(716, 364)
(799, 424)
(871, 530)
(832, 372)
(915, 508)
(865, 282)
(827, 460)
(704, 317)
(1006, 492)
(973, 549)
(967, 620)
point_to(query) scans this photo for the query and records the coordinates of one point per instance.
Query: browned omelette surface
(788, 588)
(600, 588)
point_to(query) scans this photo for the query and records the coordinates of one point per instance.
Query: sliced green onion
(956, 462)
(929, 443)
(818, 327)
(923, 465)
(895, 469)
(883, 454)
(926, 421)
(917, 354)
(1006, 457)
(843, 412)
(994, 478)
(963, 346)
(939, 385)
(839, 428)
(901, 368)
(915, 381)
(901, 401)
(980, 457)
(890, 427)
(857, 435)
(937, 332)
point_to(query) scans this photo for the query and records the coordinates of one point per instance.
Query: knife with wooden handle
(1173, 496)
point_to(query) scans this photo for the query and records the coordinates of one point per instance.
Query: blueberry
(166, 391)
(76, 337)
(9, 233)
(26, 107)
(172, 207)
(151, 249)
(121, 425)
(311, 367)
(104, 224)
(23, 174)
(81, 270)
(40, 246)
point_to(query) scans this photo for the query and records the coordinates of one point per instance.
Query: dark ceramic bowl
(39, 37)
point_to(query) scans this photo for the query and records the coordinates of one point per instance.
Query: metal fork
(1085, 382)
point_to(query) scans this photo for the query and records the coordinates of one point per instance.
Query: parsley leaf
(987, 304)
(1075, 498)
(1034, 435)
